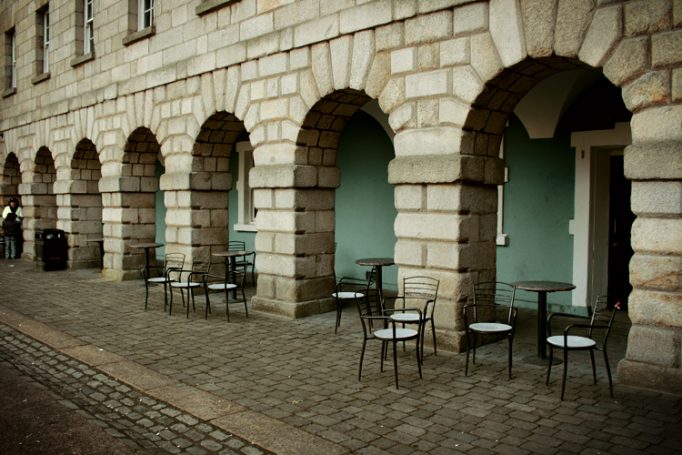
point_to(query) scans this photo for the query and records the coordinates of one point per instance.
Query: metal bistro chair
(216, 283)
(349, 288)
(418, 292)
(378, 326)
(589, 336)
(492, 314)
(245, 262)
(194, 279)
(170, 273)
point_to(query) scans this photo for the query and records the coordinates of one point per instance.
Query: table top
(544, 286)
(146, 245)
(375, 261)
(230, 253)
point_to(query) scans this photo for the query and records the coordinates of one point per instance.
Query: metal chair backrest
(420, 292)
(494, 293)
(236, 245)
(601, 319)
(173, 264)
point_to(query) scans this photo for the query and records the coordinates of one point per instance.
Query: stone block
(466, 84)
(320, 29)
(328, 177)
(602, 35)
(443, 197)
(648, 376)
(362, 55)
(677, 85)
(572, 20)
(403, 117)
(470, 19)
(427, 84)
(403, 60)
(283, 176)
(379, 75)
(657, 235)
(428, 28)
(506, 30)
(443, 255)
(658, 124)
(427, 142)
(433, 226)
(656, 345)
(409, 197)
(484, 57)
(340, 53)
(656, 198)
(646, 16)
(390, 36)
(628, 61)
(538, 20)
(455, 52)
(365, 16)
(653, 160)
(666, 48)
(410, 252)
(663, 273)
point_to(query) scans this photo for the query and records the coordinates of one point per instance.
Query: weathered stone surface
(653, 161)
(602, 35)
(628, 61)
(646, 16)
(573, 19)
(658, 124)
(656, 198)
(506, 30)
(666, 48)
(656, 345)
(538, 26)
(650, 376)
(656, 272)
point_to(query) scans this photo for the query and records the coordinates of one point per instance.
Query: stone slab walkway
(291, 387)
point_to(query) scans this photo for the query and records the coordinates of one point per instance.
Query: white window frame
(46, 39)
(13, 59)
(145, 14)
(246, 211)
(88, 26)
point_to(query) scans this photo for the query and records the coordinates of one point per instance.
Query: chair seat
(185, 284)
(574, 342)
(158, 279)
(222, 286)
(348, 295)
(490, 327)
(400, 334)
(405, 317)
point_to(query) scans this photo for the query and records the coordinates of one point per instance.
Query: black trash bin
(51, 248)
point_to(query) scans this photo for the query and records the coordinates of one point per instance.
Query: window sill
(82, 59)
(245, 228)
(140, 35)
(40, 78)
(9, 92)
(206, 6)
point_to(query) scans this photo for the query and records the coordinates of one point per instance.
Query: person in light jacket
(12, 215)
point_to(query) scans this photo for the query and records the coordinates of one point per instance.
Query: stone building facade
(84, 122)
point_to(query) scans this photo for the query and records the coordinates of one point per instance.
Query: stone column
(295, 239)
(654, 354)
(446, 221)
(80, 216)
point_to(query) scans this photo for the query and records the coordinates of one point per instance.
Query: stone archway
(11, 178)
(84, 198)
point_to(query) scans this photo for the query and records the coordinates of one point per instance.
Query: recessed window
(88, 28)
(11, 53)
(246, 212)
(146, 14)
(42, 62)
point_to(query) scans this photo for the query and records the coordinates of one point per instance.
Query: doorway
(620, 225)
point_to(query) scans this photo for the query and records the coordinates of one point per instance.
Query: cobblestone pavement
(291, 386)
(122, 412)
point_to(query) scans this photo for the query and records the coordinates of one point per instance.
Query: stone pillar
(295, 239)
(80, 216)
(446, 223)
(654, 353)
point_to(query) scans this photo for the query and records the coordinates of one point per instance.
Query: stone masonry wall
(447, 73)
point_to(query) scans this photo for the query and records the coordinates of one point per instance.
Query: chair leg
(433, 333)
(395, 363)
(165, 295)
(563, 380)
(473, 361)
(549, 363)
(338, 314)
(246, 309)
(510, 357)
(208, 305)
(146, 294)
(466, 364)
(608, 372)
(227, 305)
(594, 368)
(419, 360)
(383, 354)
(362, 356)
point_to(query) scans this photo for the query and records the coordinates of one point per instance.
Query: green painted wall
(538, 204)
(365, 211)
(247, 237)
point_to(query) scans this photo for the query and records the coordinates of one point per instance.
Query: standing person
(12, 216)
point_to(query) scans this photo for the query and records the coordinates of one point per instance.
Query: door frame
(590, 223)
